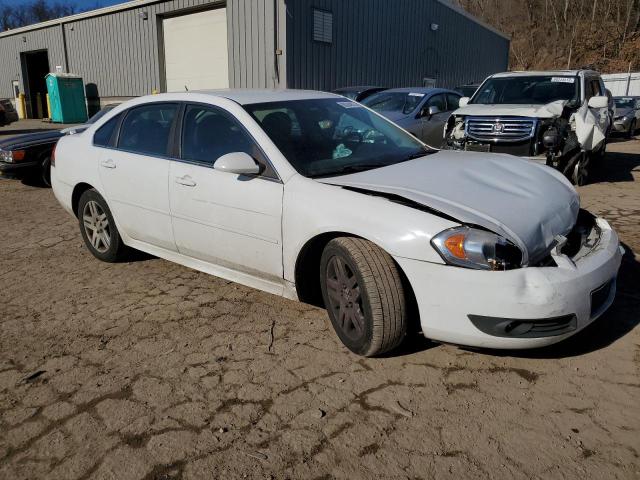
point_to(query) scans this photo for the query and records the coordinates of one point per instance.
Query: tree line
(545, 34)
(35, 11)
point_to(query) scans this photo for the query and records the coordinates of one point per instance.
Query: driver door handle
(186, 180)
(108, 163)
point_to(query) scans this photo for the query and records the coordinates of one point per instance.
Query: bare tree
(14, 16)
(604, 34)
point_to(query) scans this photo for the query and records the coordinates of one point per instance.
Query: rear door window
(146, 129)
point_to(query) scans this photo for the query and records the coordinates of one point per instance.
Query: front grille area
(525, 328)
(501, 129)
(519, 149)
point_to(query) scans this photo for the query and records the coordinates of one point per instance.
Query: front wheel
(364, 295)
(632, 129)
(98, 228)
(580, 174)
(45, 172)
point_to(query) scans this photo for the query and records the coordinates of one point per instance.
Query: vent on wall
(322, 26)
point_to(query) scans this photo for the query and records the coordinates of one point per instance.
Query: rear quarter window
(104, 135)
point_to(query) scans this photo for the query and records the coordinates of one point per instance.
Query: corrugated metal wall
(374, 42)
(11, 47)
(120, 53)
(252, 60)
(379, 42)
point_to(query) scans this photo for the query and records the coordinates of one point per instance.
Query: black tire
(113, 250)
(45, 172)
(632, 129)
(581, 170)
(376, 303)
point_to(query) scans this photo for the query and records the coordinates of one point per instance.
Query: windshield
(534, 90)
(624, 102)
(325, 137)
(405, 102)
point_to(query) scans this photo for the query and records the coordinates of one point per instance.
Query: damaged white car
(317, 198)
(561, 118)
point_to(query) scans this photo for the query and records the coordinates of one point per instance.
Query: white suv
(559, 117)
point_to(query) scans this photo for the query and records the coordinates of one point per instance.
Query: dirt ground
(149, 370)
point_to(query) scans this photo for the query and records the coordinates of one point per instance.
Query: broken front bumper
(622, 125)
(565, 298)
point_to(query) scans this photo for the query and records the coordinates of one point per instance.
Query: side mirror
(427, 112)
(599, 101)
(239, 163)
(433, 110)
(463, 102)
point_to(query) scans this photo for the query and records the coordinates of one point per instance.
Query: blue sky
(80, 4)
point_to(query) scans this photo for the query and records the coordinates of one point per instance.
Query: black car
(8, 114)
(30, 154)
(467, 90)
(358, 93)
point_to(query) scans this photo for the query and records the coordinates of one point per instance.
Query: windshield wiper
(351, 169)
(417, 155)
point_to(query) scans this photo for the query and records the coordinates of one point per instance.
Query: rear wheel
(364, 295)
(98, 228)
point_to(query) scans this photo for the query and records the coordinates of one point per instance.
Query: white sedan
(314, 197)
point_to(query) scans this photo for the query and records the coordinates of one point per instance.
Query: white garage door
(195, 51)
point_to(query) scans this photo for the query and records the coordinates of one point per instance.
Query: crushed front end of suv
(561, 118)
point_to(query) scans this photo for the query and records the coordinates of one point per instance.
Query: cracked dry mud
(149, 370)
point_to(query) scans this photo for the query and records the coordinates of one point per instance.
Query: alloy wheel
(96, 226)
(345, 298)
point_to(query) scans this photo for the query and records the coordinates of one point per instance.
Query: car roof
(425, 90)
(356, 88)
(245, 96)
(522, 73)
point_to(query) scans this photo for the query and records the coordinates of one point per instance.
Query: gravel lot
(150, 370)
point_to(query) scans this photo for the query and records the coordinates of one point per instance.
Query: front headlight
(475, 248)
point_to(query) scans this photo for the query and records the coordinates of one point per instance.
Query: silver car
(421, 111)
(627, 116)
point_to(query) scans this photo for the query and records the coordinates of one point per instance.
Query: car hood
(30, 139)
(549, 110)
(528, 203)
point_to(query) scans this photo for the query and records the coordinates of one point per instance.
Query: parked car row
(319, 198)
(560, 118)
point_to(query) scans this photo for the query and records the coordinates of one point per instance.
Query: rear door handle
(186, 180)
(108, 163)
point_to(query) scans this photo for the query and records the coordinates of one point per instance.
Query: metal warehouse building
(143, 46)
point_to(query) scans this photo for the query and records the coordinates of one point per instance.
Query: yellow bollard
(21, 106)
(48, 107)
(39, 105)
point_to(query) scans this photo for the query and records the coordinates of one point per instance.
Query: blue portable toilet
(66, 97)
